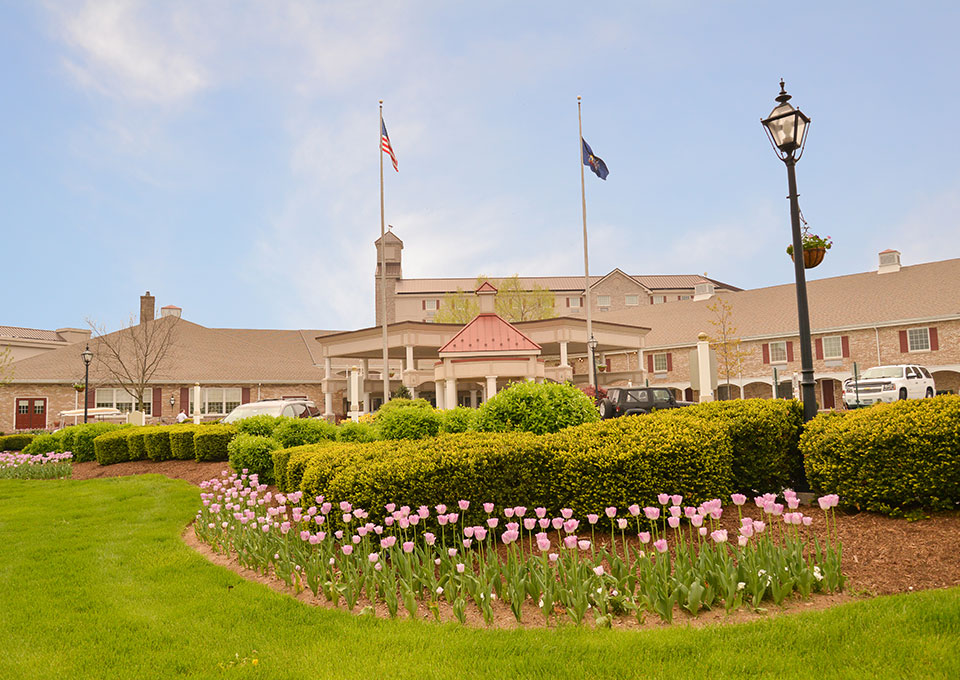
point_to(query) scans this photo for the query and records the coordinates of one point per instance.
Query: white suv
(888, 383)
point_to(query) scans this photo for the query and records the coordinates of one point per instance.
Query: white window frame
(660, 362)
(120, 399)
(431, 305)
(631, 300)
(603, 300)
(573, 302)
(918, 339)
(217, 397)
(780, 345)
(686, 297)
(827, 356)
(659, 299)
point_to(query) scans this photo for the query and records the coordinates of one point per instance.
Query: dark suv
(628, 401)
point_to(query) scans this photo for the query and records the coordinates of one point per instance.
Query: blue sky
(224, 155)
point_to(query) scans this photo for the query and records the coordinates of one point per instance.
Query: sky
(224, 155)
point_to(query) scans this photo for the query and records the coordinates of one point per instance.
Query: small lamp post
(787, 129)
(592, 343)
(87, 357)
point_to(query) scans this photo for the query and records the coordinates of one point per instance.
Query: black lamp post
(592, 343)
(87, 356)
(787, 129)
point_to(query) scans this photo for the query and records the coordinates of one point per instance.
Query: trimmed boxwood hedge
(586, 468)
(43, 443)
(15, 442)
(298, 431)
(78, 439)
(181, 442)
(764, 434)
(251, 452)
(889, 457)
(112, 447)
(157, 443)
(210, 442)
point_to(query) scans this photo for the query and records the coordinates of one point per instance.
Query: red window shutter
(669, 361)
(568, 301)
(934, 341)
(244, 395)
(819, 343)
(679, 297)
(157, 402)
(766, 352)
(423, 303)
(581, 301)
(649, 363)
(91, 397)
(903, 341)
(185, 400)
(789, 351)
(845, 346)
(651, 299)
(609, 364)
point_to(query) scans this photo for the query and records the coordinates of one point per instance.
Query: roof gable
(489, 333)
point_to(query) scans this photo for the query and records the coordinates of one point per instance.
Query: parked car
(290, 408)
(888, 383)
(628, 401)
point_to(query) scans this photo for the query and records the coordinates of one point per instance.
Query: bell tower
(391, 255)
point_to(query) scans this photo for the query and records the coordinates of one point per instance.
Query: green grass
(95, 583)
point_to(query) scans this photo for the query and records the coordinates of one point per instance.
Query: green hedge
(43, 443)
(157, 443)
(586, 468)
(349, 431)
(408, 419)
(181, 441)
(764, 434)
(210, 442)
(137, 442)
(299, 431)
(262, 425)
(15, 442)
(889, 457)
(543, 408)
(251, 452)
(78, 439)
(112, 447)
(460, 419)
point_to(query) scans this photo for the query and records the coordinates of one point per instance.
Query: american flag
(385, 145)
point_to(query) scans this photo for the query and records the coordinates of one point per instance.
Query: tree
(460, 307)
(133, 356)
(724, 340)
(516, 303)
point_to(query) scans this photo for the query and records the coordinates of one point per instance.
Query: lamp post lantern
(87, 357)
(787, 129)
(592, 343)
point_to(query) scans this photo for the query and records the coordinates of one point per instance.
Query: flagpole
(586, 260)
(385, 373)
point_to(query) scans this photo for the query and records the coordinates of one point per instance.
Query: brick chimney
(147, 307)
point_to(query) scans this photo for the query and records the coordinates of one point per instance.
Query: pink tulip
(676, 499)
(373, 557)
(543, 522)
(508, 513)
(408, 547)
(388, 542)
(611, 512)
(346, 549)
(571, 525)
(793, 503)
(429, 538)
(742, 541)
(468, 531)
(807, 521)
(463, 505)
(566, 513)
(519, 511)
(738, 498)
(423, 511)
(344, 506)
(356, 539)
(452, 552)
(529, 523)
(593, 518)
(661, 545)
(543, 543)
(583, 544)
(570, 542)
(388, 521)
(378, 567)
(314, 540)
(634, 510)
(553, 557)
(598, 570)
(696, 520)
(338, 534)
(557, 523)
(703, 531)
(540, 512)
(441, 509)
(390, 507)
(758, 527)
(674, 522)
(675, 511)
(453, 517)
(651, 513)
(403, 522)
(488, 508)
(719, 536)
(824, 502)
(513, 526)
(460, 568)
(746, 530)
(492, 522)
(644, 536)
(413, 520)
(442, 520)
(663, 498)
(480, 533)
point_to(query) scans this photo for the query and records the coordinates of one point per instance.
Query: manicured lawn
(95, 583)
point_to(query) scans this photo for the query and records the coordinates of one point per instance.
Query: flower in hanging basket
(812, 242)
(79, 387)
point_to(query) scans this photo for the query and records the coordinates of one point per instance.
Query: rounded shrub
(15, 442)
(43, 443)
(78, 439)
(299, 431)
(408, 419)
(181, 441)
(210, 442)
(137, 442)
(112, 447)
(888, 458)
(251, 452)
(460, 419)
(157, 443)
(349, 431)
(543, 408)
(262, 425)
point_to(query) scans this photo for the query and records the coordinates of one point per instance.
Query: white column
(563, 353)
(451, 393)
(410, 365)
(328, 396)
(354, 393)
(703, 359)
(441, 403)
(473, 399)
(491, 387)
(196, 403)
(413, 392)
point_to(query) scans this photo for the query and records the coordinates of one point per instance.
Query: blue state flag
(595, 163)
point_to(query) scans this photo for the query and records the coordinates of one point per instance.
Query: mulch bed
(881, 555)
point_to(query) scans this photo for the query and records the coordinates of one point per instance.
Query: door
(829, 398)
(31, 413)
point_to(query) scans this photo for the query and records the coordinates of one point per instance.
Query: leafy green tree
(724, 340)
(513, 302)
(459, 307)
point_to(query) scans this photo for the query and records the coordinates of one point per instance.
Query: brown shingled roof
(200, 354)
(922, 291)
(29, 334)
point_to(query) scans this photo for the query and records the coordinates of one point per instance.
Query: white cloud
(928, 233)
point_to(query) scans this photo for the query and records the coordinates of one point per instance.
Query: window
(684, 297)
(23, 407)
(38, 407)
(218, 401)
(603, 300)
(573, 302)
(122, 400)
(659, 299)
(918, 339)
(778, 352)
(660, 363)
(833, 347)
(430, 305)
(631, 300)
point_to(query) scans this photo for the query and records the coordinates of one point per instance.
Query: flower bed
(40, 466)
(427, 556)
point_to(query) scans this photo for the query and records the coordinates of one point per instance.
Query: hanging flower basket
(79, 387)
(814, 249)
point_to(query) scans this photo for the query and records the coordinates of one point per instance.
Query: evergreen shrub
(349, 431)
(15, 442)
(210, 442)
(43, 443)
(460, 419)
(262, 425)
(181, 441)
(157, 443)
(298, 431)
(543, 408)
(251, 452)
(408, 419)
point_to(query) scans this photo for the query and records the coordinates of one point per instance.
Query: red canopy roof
(489, 333)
